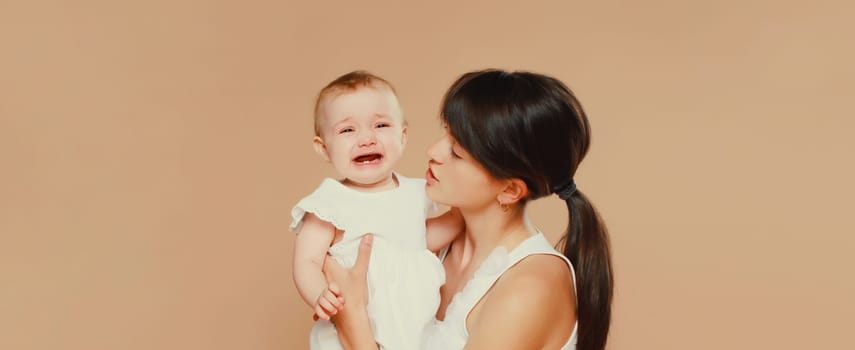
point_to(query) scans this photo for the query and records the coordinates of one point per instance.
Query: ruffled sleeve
(322, 202)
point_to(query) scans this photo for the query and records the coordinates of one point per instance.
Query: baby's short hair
(349, 82)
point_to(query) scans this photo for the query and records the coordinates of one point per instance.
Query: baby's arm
(441, 230)
(310, 250)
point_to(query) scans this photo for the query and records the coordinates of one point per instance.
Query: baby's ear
(404, 136)
(320, 148)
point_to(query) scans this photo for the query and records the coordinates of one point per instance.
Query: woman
(511, 137)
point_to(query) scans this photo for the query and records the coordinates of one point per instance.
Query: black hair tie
(564, 192)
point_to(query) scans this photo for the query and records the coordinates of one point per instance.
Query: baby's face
(363, 134)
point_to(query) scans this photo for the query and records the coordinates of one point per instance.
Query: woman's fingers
(346, 284)
(360, 269)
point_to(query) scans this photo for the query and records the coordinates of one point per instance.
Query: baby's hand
(329, 302)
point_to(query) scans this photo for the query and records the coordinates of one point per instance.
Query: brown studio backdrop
(151, 153)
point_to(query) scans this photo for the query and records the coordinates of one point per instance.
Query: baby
(361, 131)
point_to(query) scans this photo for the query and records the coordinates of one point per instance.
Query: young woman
(511, 137)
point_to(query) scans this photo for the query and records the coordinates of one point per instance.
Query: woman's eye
(454, 154)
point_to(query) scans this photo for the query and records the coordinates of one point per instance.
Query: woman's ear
(320, 148)
(513, 191)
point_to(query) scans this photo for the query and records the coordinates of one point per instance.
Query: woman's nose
(434, 152)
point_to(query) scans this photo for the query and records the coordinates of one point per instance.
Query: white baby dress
(403, 276)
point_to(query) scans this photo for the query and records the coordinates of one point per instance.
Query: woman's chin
(433, 193)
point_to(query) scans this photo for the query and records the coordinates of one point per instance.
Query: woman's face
(456, 179)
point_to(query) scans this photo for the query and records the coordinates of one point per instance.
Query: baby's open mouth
(368, 158)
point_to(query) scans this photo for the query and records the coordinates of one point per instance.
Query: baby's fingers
(320, 313)
(328, 306)
(334, 299)
(332, 287)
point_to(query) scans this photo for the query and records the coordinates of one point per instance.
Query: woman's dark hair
(531, 127)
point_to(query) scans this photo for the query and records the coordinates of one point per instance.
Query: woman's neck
(490, 229)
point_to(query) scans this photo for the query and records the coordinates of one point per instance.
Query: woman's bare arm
(441, 230)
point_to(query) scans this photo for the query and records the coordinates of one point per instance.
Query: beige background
(151, 152)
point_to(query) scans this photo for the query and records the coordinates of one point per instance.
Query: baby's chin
(368, 183)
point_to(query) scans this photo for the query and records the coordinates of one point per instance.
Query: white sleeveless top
(451, 333)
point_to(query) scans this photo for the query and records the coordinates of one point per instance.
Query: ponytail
(586, 245)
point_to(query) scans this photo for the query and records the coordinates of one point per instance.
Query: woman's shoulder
(536, 261)
(535, 271)
(535, 264)
(547, 287)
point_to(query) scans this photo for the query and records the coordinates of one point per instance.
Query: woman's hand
(351, 283)
(354, 330)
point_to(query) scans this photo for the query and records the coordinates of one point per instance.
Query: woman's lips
(429, 177)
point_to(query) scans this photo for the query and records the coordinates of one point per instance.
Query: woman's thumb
(364, 255)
